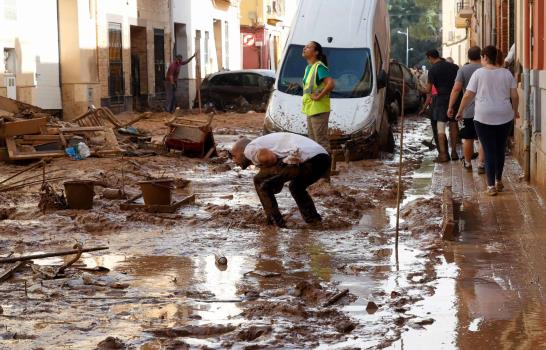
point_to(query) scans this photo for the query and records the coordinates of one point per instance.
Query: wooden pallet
(131, 205)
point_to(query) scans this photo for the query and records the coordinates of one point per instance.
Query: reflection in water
(223, 284)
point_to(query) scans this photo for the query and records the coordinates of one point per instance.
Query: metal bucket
(157, 192)
(79, 194)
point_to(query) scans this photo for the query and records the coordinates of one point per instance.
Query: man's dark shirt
(442, 75)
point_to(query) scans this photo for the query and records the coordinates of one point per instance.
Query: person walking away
(496, 105)
(317, 86)
(171, 81)
(468, 132)
(442, 75)
(284, 157)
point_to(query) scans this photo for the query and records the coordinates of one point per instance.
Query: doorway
(139, 68)
(181, 48)
(217, 24)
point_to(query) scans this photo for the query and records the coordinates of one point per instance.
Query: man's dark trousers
(270, 181)
(170, 98)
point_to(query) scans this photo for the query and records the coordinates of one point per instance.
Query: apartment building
(212, 28)
(113, 53)
(455, 30)
(263, 32)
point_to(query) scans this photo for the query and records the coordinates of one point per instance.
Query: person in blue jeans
(494, 91)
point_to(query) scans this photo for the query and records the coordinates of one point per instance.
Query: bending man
(284, 157)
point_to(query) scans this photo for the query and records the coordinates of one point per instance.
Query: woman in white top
(496, 99)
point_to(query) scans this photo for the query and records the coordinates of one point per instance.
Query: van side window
(378, 57)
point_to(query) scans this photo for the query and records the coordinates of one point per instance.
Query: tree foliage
(423, 18)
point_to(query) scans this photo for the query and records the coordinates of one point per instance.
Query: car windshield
(351, 69)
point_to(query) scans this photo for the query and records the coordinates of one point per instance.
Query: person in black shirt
(442, 75)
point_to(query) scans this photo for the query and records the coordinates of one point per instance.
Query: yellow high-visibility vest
(310, 107)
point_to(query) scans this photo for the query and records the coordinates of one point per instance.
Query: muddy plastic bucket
(157, 192)
(79, 194)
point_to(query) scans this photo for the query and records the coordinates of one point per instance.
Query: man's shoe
(314, 220)
(499, 186)
(491, 191)
(277, 221)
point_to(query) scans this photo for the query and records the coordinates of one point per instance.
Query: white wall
(451, 35)
(200, 15)
(33, 34)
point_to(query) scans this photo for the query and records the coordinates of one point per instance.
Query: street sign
(249, 40)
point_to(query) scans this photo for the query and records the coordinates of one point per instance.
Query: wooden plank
(129, 205)
(48, 255)
(41, 137)
(9, 270)
(15, 107)
(14, 153)
(24, 127)
(82, 129)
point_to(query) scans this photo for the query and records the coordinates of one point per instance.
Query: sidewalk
(501, 256)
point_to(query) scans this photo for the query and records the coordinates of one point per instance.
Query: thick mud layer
(340, 284)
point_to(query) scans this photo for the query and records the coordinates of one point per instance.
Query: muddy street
(158, 285)
(161, 284)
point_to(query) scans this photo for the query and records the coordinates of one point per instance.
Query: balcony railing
(464, 9)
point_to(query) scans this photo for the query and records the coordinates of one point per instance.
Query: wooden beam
(24, 127)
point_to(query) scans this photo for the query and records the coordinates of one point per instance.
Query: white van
(355, 35)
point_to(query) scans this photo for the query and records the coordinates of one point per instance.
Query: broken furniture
(98, 116)
(193, 137)
(36, 139)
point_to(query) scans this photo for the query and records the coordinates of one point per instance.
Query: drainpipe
(527, 91)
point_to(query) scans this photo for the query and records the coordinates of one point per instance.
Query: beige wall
(454, 40)
(252, 12)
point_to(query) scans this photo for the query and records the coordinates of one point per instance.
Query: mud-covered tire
(386, 136)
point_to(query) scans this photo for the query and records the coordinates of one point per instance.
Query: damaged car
(236, 90)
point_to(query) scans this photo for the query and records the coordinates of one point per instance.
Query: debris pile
(31, 133)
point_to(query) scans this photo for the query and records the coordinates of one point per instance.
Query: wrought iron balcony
(464, 9)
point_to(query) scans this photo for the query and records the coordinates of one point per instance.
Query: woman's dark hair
(320, 53)
(492, 54)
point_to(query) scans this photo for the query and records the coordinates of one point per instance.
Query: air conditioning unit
(461, 23)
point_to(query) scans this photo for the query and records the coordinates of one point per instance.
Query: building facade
(455, 30)
(30, 66)
(113, 53)
(263, 32)
(211, 28)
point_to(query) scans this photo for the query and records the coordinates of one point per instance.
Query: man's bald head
(238, 152)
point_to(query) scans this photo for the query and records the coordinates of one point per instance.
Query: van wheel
(386, 136)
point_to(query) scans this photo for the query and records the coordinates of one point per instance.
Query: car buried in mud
(236, 90)
(356, 40)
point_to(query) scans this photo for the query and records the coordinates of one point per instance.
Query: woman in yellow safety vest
(317, 85)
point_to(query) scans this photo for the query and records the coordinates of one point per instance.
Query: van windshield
(351, 69)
